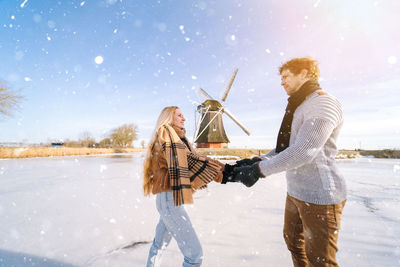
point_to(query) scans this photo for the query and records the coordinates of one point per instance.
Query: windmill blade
(230, 115)
(205, 95)
(225, 95)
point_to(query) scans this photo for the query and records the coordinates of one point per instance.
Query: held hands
(248, 175)
(246, 171)
(246, 162)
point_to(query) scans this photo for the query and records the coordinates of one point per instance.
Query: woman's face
(179, 120)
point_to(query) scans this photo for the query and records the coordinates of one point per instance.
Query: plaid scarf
(188, 171)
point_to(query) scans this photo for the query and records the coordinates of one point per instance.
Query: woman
(173, 171)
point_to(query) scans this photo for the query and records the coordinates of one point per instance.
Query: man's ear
(304, 73)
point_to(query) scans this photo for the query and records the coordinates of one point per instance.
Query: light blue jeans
(174, 222)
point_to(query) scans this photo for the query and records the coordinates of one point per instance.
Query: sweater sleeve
(269, 155)
(311, 137)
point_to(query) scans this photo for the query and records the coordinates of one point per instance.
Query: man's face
(292, 82)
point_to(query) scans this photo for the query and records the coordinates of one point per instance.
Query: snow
(98, 60)
(23, 3)
(392, 60)
(90, 211)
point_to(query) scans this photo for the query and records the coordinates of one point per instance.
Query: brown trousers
(311, 232)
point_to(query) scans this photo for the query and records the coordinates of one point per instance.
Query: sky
(91, 66)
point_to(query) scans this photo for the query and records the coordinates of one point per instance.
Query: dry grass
(234, 152)
(248, 153)
(385, 153)
(29, 152)
(347, 154)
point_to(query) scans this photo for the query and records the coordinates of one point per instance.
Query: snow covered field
(90, 211)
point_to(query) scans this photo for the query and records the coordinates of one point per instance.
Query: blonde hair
(166, 117)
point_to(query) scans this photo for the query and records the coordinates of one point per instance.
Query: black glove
(248, 175)
(228, 175)
(247, 162)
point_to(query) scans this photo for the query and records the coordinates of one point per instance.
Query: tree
(9, 100)
(124, 135)
(105, 143)
(86, 140)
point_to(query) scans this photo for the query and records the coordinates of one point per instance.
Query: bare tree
(9, 100)
(105, 143)
(124, 135)
(86, 140)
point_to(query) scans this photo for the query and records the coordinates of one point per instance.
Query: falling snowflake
(23, 3)
(99, 60)
(396, 168)
(392, 60)
(182, 28)
(103, 168)
(37, 18)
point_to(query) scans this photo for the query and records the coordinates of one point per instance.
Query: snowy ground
(89, 211)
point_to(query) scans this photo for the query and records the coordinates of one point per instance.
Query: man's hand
(248, 175)
(247, 162)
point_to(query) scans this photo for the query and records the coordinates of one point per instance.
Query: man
(306, 149)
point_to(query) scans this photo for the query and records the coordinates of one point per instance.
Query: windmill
(210, 132)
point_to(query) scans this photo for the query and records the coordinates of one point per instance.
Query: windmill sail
(230, 115)
(228, 88)
(205, 95)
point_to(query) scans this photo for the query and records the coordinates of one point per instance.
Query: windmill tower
(210, 132)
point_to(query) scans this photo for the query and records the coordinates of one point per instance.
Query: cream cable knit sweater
(309, 161)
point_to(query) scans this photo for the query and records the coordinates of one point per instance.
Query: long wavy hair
(166, 116)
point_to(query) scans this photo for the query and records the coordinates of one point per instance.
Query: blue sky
(158, 53)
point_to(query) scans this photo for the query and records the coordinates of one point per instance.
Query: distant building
(57, 144)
